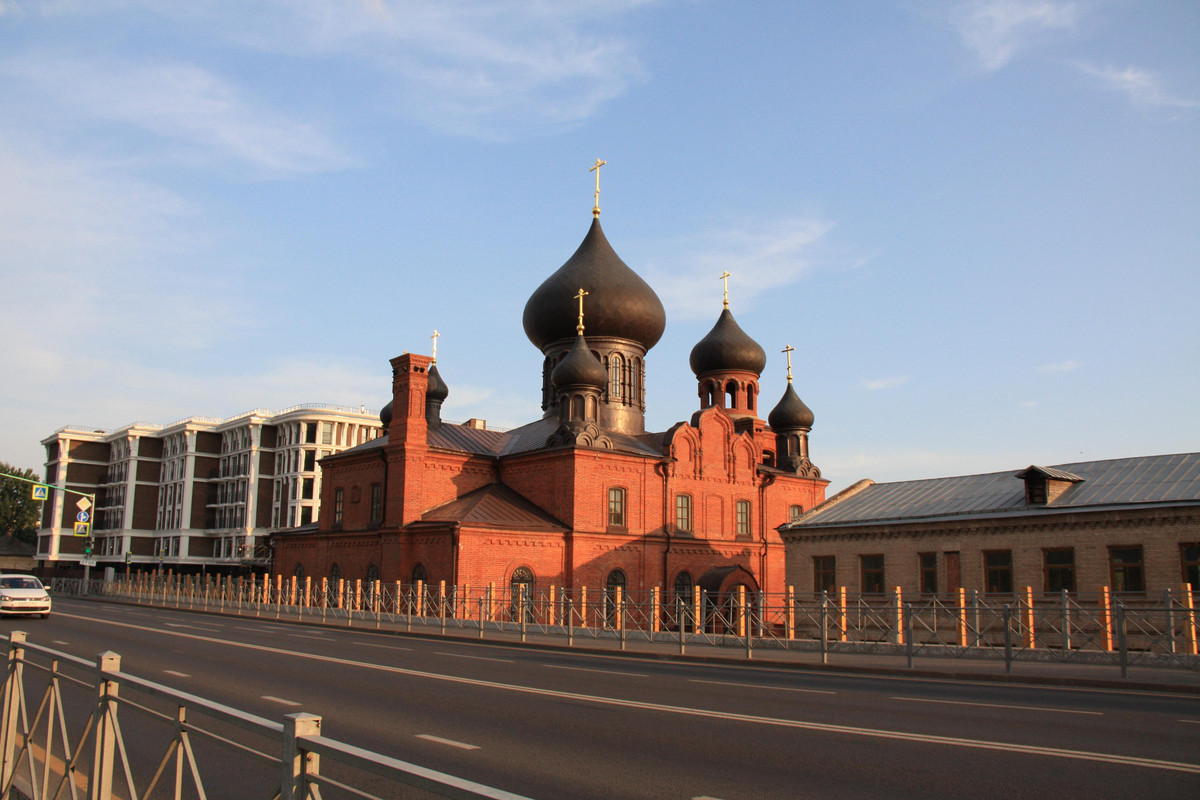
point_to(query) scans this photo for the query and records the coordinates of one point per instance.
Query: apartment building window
(824, 573)
(683, 513)
(929, 581)
(1059, 568)
(376, 502)
(616, 507)
(1189, 556)
(307, 491)
(326, 433)
(997, 572)
(743, 517)
(310, 460)
(1126, 569)
(871, 568)
(339, 499)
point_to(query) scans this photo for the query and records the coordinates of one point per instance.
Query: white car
(23, 594)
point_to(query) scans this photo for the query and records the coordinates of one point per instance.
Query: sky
(977, 222)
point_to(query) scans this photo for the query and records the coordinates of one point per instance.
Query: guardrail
(88, 728)
(1119, 630)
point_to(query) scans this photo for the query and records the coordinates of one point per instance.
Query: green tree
(18, 510)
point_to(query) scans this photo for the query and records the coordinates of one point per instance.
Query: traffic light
(87, 548)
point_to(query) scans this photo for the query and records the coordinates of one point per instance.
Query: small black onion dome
(385, 416)
(619, 303)
(790, 412)
(437, 388)
(727, 347)
(580, 367)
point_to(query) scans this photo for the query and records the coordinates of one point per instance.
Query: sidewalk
(1028, 667)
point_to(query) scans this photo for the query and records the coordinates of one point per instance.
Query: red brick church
(584, 496)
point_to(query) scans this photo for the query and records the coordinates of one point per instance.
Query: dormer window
(1044, 485)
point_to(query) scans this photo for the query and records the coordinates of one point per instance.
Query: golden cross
(581, 294)
(596, 169)
(725, 281)
(788, 350)
(435, 338)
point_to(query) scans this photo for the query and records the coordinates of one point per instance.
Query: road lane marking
(1191, 721)
(760, 686)
(279, 700)
(176, 674)
(60, 641)
(818, 727)
(193, 627)
(307, 636)
(603, 671)
(475, 658)
(384, 646)
(429, 737)
(998, 705)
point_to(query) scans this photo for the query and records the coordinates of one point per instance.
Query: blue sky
(978, 222)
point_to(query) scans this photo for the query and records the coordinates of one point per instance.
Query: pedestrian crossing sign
(41, 492)
(83, 529)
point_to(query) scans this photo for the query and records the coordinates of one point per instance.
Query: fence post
(790, 617)
(962, 617)
(1066, 621)
(908, 633)
(843, 616)
(298, 763)
(977, 636)
(897, 616)
(1169, 605)
(619, 599)
(550, 607)
(1106, 617)
(654, 612)
(697, 619)
(100, 784)
(1030, 637)
(824, 626)
(1189, 619)
(442, 604)
(569, 613)
(679, 612)
(1122, 640)
(482, 600)
(13, 689)
(1008, 654)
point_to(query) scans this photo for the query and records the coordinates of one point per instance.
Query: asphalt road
(558, 724)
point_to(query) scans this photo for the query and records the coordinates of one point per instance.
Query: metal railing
(77, 728)
(1119, 630)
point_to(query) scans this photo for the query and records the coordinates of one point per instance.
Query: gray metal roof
(1121, 481)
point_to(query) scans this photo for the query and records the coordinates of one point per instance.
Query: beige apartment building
(200, 494)
(1130, 524)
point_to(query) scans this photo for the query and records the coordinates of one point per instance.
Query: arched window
(335, 572)
(683, 586)
(418, 574)
(577, 407)
(521, 584)
(683, 513)
(731, 395)
(616, 580)
(616, 366)
(298, 571)
(372, 573)
(794, 513)
(750, 397)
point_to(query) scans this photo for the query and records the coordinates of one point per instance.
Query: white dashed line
(176, 674)
(603, 671)
(279, 700)
(476, 658)
(460, 745)
(758, 686)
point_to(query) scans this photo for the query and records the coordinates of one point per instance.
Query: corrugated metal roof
(495, 506)
(1144, 479)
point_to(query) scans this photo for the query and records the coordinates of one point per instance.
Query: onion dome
(620, 303)
(727, 348)
(436, 388)
(385, 416)
(790, 413)
(580, 367)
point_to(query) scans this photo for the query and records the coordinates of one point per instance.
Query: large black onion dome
(580, 367)
(385, 416)
(619, 303)
(726, 348)
(790, 412)
(437, 388)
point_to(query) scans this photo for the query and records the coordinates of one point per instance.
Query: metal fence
(77, 728)
(1121, 630)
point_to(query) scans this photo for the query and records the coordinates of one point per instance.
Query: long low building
(197, 494)
(1129, 524)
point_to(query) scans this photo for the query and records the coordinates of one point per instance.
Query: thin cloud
(195, 114)
(1059, 368)
(996, 30)
(760, 256)
(881, 384)
(1143, 88)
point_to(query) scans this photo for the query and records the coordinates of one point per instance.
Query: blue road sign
(40, 492)
(82, 516)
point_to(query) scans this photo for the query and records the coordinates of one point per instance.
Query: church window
(418, 573)
(731, 395)
(372, 573)
(615, 585)
(683, 513)
(795, 512)
(521, 597)
(616, 507)
(997, 571)
(871, 572)
(577, 407)
(824, 573)
(743, 517)
(298, 571)
(1125, 565)
(376, 502)
(616, 366)
(750, 397)
(335, 572)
